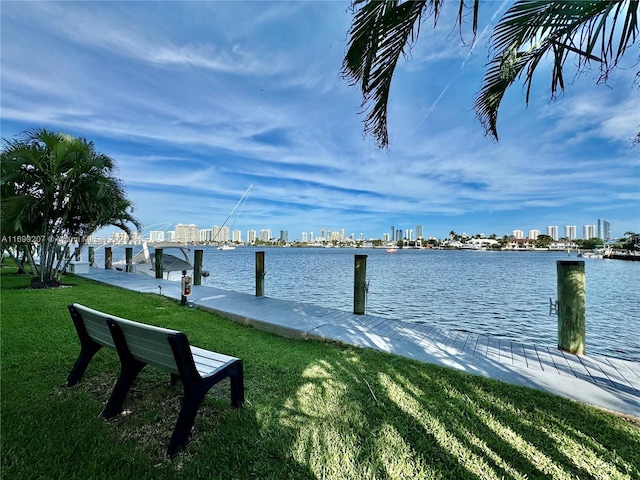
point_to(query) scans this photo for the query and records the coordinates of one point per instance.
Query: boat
(175, 258)
(392, 250)
(226, 246)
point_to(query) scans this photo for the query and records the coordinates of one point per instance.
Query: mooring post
(92, 256)
(359, 284)
(571, 306)
(260, 274)
(108, 258)
(159, 262)
(197, 267)
(128, 255)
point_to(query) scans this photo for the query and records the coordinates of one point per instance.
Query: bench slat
(140, 344)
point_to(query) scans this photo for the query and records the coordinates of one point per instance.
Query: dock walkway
(606, 382)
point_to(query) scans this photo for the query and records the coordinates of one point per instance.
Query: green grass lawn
(313, 410)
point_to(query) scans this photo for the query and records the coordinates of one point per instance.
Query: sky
(196, 101)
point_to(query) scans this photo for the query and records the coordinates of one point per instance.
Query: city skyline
(202, 99)
(220, 234)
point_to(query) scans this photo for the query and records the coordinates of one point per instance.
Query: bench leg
(128, 374)
(190, 403)
(87, 352)
(237, 386)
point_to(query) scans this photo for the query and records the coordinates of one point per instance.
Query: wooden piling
(197, 267)
(108, 258)
(92, 256)
(260, 274)
(359, 284)
(159, 262)
(571, 306)
(128, 255)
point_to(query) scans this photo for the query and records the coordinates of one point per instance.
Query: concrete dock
(606, 382)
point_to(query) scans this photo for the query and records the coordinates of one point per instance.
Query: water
(499, 293)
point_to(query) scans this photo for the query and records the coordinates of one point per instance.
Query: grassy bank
(313, 410)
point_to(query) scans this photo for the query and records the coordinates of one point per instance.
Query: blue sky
(197, 100)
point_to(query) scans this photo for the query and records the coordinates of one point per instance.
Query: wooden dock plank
(383, 328)
(429, 338)
(517, 355)
(560, 362)
(531, 355)
(578, 369)
(425, 333)
(481, 346)
(493, 348)
(470, 343)
(460, 340)
(629, 370)
(603, 373)
(546, 360)
(505, 351)
(440, 338)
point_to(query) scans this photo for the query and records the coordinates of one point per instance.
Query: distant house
(520, 244)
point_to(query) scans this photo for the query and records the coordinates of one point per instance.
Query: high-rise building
(534, 234)
(589, 231)
(171, 236)
(284, 236)
(385, 238)
(604, 229)
(399, 235)
(518, 234)
(220, 234)
(419, 231)
(251, 236)
(236, 236)
(410, 234)
(311, 237)
(205, 235)
(156, 236)
(265, 235)
(186, 233)
(303, 237)
(393, 232)
(552, 231)
(570, 232)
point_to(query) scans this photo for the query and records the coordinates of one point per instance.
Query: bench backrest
(147, 343)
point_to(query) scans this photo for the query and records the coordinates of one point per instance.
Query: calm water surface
(500, 293)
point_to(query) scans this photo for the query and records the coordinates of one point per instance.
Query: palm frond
(379, 35)
(592, 31)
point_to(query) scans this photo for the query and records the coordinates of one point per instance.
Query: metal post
(197, 267)
(183, 298)
(571, 306)
(159, 262)
(359, 284)
(260, 274)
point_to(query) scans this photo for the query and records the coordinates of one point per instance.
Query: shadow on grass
(312, 410)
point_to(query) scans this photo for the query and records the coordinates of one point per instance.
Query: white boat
(175, 258)
(226, 247)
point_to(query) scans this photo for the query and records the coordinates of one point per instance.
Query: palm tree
(57, 190)
(598, 31)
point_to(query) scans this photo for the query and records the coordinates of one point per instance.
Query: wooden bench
(139, 345)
